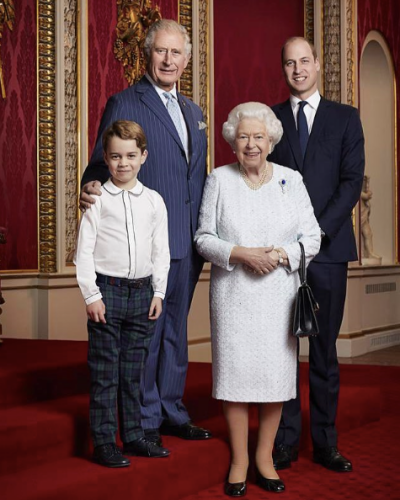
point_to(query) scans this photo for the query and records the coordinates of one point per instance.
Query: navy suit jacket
(166, 169)
(332, 170)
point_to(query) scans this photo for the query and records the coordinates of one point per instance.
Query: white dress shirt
(310, 110)
(124, 235)
(174, 94)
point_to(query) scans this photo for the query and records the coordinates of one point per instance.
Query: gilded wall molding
(71, 125)
(204, 73)
(331, 50)
(350, 52)
(185, 17)
(309, 20)
(46, 129)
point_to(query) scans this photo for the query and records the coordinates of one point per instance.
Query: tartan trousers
(116, 357)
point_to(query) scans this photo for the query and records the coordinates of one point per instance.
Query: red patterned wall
(105, 72)
(247, 43)
(384, 16)
(18, 177)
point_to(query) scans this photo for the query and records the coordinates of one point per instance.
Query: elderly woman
(253, 215)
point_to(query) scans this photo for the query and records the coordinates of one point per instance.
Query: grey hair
(253, 110)
(166, 25)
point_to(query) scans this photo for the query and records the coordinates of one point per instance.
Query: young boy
(122, 263)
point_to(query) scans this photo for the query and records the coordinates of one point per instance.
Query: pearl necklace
(254, 185)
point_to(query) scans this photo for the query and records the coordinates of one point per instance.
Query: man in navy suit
(176, 168)
(324, 141)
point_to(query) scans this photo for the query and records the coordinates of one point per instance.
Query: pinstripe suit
(180, 183)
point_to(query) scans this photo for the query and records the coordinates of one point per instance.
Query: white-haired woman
(253, 214)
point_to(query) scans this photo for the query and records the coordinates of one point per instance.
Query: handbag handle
(302, 267)
(303, 276)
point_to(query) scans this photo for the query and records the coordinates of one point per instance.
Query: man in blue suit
(176, 168)
(324, 141)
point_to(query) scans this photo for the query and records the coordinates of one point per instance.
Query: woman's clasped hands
(259, 260)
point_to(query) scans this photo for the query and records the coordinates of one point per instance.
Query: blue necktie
(173, 110)
(302, 127)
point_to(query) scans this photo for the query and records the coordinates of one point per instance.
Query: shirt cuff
(93, 298)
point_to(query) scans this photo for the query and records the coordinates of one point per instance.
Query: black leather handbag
(305, 322)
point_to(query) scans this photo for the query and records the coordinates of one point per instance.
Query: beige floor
(388, 357)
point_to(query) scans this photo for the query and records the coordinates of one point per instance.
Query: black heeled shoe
(235, 489)
(273, 485)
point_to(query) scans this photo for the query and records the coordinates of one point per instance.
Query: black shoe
(273, 485)
(186, 431)
(332, 459)
(284, 455)
(143, 447)
(235, 489)
(153, 435)
(110, 455)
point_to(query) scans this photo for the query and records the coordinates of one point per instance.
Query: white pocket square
(202, 125)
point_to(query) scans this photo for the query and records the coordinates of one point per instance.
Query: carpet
(45, 442)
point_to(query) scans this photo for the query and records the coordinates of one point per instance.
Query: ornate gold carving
(332, 49)
(134, 19)
(350, 51)
(47, 135)
(204, 60)
(309, 20)
(71, 125)
(185, 19)
(204, 69)
(7, 18)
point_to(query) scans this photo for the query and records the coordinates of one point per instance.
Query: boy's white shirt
(125, 235)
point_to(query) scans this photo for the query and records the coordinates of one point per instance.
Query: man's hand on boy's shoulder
(155, 308)
(96, 311)
(85, 198)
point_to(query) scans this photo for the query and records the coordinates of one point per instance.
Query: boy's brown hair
(125, 130)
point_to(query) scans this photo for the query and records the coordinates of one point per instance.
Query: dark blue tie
(302, 127)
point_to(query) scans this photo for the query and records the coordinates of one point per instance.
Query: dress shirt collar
(313, 100)
(113, 189)
(161, 91)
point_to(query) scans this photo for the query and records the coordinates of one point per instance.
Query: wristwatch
(280, 257)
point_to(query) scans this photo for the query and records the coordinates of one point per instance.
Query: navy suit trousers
(164, 379)
(328, 282)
